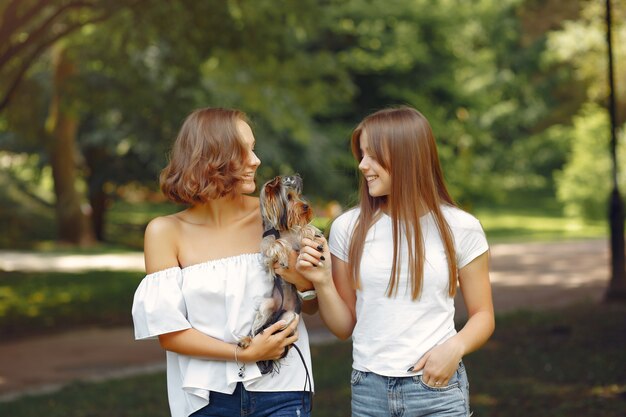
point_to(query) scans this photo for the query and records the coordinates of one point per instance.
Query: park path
(526, 276)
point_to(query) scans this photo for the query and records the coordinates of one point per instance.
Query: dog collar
(272, 232)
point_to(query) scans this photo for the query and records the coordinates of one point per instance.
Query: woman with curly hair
(205, 279)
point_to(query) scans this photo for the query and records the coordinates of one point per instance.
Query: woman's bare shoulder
(161, 243)
(163, 226)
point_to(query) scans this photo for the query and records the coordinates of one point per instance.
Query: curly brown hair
(206, 161)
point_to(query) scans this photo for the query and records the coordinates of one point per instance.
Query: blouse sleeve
(159, 306)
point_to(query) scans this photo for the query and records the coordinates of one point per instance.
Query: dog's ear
(271, 184)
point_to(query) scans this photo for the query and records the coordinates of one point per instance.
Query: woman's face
(251, 162)
(378, 179)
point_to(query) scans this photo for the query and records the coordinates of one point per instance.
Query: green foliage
(25, 213)
(499, 80)
(584, 184)
(33, 302)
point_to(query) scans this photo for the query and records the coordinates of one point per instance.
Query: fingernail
(318, 235)
(322, 258)
(314, 266)
(320, 247)
(410, 369)
(320, 264)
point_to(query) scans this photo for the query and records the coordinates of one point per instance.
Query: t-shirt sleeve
(471, 242)
(340, 234)
(159, 306)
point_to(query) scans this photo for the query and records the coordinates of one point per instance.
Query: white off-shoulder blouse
(219, 298)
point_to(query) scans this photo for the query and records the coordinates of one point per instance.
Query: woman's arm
(440, 362)
(160, 253)
(335, 293)
(476, 289)
(268, 345)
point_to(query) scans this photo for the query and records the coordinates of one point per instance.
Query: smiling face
(377, 178)
(251, 162)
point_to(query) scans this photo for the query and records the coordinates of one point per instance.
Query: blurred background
(92, 93)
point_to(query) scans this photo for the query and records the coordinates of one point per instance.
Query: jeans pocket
(453, 383)
(356, 377)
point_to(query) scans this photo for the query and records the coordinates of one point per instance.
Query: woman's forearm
(334, 312)
(192, 342)
(268, 344)
(476, 332)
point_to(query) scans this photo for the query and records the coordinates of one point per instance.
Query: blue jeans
(257, 404)
(374, 395)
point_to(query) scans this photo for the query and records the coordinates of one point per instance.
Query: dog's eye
(289, 197)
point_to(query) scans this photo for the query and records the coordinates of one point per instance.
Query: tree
(617, 286)
(73, 223)
(30, 27)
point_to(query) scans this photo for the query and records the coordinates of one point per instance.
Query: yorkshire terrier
(286, 216)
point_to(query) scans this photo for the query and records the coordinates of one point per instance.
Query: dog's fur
(286, 216)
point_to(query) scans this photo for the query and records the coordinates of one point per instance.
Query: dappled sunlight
(609, 391)
(43, 262)
(547, 264)
(483, 400)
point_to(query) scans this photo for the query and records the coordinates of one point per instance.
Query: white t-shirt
(393, 333)
(219, 298)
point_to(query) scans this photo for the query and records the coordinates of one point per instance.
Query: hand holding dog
(270, 344)
(291, 274)
(314, 261)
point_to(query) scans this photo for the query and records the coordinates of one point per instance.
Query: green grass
(533, 225)
(35, 302)
(560, 363)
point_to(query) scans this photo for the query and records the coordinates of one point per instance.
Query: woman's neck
(220, 212)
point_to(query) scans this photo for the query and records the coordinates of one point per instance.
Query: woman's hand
(440, 363)
(314, 261)
(270, 343)
(292, 275)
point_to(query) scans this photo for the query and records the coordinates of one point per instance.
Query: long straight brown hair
(402, 141)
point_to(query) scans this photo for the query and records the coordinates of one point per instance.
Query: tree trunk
(99, 202)
(617, 285)
(72, 221)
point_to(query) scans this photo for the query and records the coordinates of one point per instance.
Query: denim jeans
(257, 404)
(374, 395)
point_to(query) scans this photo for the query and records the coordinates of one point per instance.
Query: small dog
(286, 216)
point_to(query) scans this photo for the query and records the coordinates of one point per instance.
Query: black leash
(307, 381)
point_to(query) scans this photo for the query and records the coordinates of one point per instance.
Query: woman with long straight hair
(396, 261)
